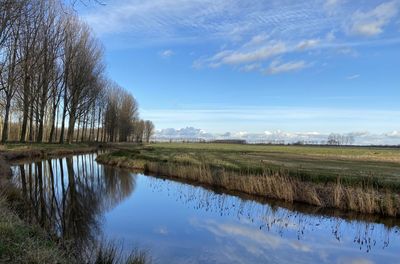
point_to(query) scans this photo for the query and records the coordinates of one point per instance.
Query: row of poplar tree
(53, 86)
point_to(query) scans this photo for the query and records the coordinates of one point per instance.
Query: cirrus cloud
(251, 34)
(166, 53)
(371, 23)
(277, 67)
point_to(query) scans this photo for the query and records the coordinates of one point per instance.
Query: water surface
(76, 198)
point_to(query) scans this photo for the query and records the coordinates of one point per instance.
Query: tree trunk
(62, 132)
(79, 126)
(37, 118)
(56, 126)
(63, 117)
(103, 131)
(41, 116)
(25, 109)
(98, 126)
(31, 124)
(4, 136)
(71, 125)
(53, 121)
(45, 86)
(84, 128)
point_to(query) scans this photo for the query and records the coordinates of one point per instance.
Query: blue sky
(236, 65)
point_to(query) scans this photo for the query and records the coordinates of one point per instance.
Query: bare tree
(138, 131)
(51, 68)
(339, 140)
(148, 130)
(9, 75)
(128, 112)
(84, 67)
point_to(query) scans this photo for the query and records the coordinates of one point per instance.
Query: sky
(256, 66)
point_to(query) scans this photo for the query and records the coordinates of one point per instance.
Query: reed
(112, 253)
(273, 184)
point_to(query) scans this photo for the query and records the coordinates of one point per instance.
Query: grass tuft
(111, 253)
(22, 243)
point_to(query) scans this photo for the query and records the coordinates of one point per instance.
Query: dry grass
(385, 154)
(313, 164)
(29, 244)
(280, 186)
(21, 243)
(112, 253)
(21, 154)
(273, 184)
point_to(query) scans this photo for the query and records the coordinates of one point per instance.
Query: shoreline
(304, 208)
(22, 241)
(278, 188)
(42, 152)
(270, 185)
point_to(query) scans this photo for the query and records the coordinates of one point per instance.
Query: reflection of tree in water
(68, 196)
(279, 217)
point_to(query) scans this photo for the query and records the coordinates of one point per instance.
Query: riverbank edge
(23, 242)
(275, 185)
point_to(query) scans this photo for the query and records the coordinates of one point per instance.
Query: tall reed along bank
(359, 179)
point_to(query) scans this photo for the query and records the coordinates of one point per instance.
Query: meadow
(352, 165)
(360, 179)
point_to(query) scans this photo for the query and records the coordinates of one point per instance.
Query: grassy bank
(19, 151)
(365, 180)
(23, 243)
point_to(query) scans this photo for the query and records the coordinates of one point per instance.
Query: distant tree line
(340, 140)
(53, 86)
(333, 139)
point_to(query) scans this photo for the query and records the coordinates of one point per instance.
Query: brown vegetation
(272, 184)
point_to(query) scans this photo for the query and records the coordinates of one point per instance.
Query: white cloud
(188, 132)
(352, 77)
(166, 53)
(348, 51)
(254, 241)
(253, 33)
(330, 36)
(257, 40)
(259, 54)
(253, 55)
(246, 54)
(361, 138)
(393, 134)
(171, 21)
(307, 44)
(277, 67)
(355, 261)
(372, 22)
(309, 122)
(251, 67)
(161, 231)
(332, 7)
(258, 50)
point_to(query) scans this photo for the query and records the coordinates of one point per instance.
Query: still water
(78, 199)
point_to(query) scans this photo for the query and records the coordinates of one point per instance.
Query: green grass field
(379, 167)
